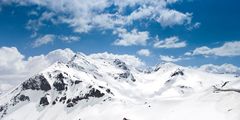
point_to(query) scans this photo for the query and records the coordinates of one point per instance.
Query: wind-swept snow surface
(112, 88)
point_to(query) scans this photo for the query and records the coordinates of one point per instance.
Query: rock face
(126, 74)
(38, 82)
(59, 85)
(177, 72)
(44, 101)
(85, 87)
(120, 64)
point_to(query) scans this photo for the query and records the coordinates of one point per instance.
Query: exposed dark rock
(225, 83)
(65, 73)
(70, 105)
(77, 81)
(109, 98)
(76, 99)
(44, 101)
(94, 93)
(62, 99)
(90, 86)
(44, 84)
(30, 84)
(69, 100)
(74, 65)
(127, 74)
(3, 110)
(184, 87)
(23, 98)
(124, 75)
(19, 98)
(120, 64)
(178, 72)
(226, 90)
(156, 69)
(109, 91)
(54, 102)
(36, 83)
(133, 79)
(168, 81)
(56, 98)
(59, 83)
(60, 76)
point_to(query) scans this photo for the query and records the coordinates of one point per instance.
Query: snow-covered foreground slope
(102, 88)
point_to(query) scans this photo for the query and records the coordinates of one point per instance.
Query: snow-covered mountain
(112, 88)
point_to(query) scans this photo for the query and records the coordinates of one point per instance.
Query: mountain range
(111, 88)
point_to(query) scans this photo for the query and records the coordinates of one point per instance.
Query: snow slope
(109, 88)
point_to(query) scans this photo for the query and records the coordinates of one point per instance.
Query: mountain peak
(78, 56)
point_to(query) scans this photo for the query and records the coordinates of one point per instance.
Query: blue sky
(174, 30)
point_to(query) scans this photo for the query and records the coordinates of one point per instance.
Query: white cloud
(171, 42)
(85, 15)
(220, 69)
(194, 26)
(144, 52)
(227, 49)
(49, 38)
(130, 60)
(35, 24)
(10, 60)
(140, 13)
(169, 58)
(61, 55)
(161, 14)
(131, 38)
(172, 17)
(14, 67)
(188, 54)
(69, 39)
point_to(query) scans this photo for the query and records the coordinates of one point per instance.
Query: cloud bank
(221, 69)
(227, 49)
